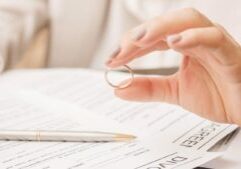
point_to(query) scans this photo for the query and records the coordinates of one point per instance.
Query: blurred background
(83, 33)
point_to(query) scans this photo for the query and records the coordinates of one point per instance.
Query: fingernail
(138, 33)
(113, 55)
(108, 62)
(174, 38)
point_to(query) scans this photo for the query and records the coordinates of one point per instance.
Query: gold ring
(121, 86)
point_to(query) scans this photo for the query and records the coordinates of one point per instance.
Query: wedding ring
(120, 86)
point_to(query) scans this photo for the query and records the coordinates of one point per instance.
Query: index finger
(173, 22)
(156, 30)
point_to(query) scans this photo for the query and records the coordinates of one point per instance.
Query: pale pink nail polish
(174, 39)
(138, 33)
(115, 53)
(113, 56)
(108, 62)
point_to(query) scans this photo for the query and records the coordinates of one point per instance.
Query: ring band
(121, 86)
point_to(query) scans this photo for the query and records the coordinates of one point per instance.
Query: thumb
(151, 89)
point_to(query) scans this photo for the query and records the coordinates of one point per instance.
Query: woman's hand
(208, 82)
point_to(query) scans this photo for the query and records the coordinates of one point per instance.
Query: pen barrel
(75, 136)
(63, 136)
(18, 135)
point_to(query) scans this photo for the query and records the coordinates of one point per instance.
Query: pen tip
(125, 137)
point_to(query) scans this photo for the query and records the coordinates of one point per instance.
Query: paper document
(75, 99)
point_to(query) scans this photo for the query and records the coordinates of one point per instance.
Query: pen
(68, 136)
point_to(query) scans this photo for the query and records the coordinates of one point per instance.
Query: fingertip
(113, 65)
(108, 63)
(127, 94)
(124, 93)
(137, 91)
(140, 36)
(177, 42)
(173, 39)
(138, 33)
(119, 93)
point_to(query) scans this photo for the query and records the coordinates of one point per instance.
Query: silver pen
(68, 136)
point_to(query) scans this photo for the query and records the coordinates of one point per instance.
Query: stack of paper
(168, 136)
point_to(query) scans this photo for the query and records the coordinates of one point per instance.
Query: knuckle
(196, 17)
(192, 12)
(219, 35)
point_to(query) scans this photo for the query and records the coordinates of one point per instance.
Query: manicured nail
(174, 38)
(108, 62)
(115, 53)
(113, 56)
(138, 33)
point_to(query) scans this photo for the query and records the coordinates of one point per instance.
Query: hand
(208, 81)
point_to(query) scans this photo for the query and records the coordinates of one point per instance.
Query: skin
(208, 81)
